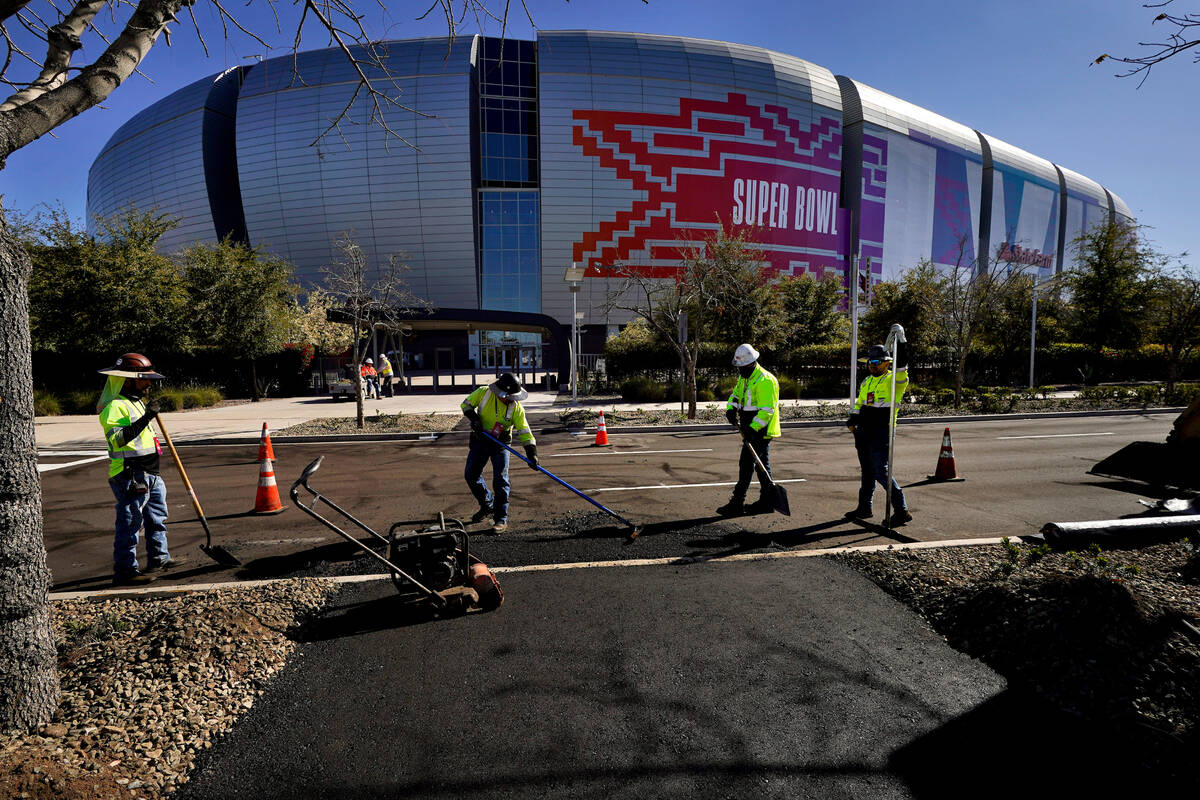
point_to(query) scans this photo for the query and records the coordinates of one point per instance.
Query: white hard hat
(744, 355)
(368, 361)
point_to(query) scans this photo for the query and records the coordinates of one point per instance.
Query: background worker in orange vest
(371, 377)
(871, 422)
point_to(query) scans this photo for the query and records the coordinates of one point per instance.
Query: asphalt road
(719, 680)
(1019, 475)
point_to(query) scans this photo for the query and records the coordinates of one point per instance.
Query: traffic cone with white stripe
(945, 466)
(264, 445)
(601, 433)
(267, 501)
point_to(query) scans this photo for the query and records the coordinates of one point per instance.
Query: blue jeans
(135, 510)
(872, 447)
(477, 457)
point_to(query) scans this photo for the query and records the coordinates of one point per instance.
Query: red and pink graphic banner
(717, 165)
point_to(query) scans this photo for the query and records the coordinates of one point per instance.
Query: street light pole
(574, 278)
(1033, 325)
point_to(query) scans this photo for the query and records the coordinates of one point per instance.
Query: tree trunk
(253, 382)
(29, 689)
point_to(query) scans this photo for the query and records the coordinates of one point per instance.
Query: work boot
(170, 563)
(483, 513)
(500, 526)
(859, 513)
(135, 578)
(734, 508)
(763, 505)
(898, 518)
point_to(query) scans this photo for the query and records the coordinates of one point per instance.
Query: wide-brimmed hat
(507, 386)
(133, 365)
(877, 351)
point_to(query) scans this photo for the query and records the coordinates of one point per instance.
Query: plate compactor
(433, 564)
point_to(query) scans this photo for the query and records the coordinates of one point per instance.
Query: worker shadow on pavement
(335, 558)
(369, 616)
(1079, 757)
(193, 570)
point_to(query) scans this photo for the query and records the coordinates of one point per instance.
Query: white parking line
(1054, 435)
(51, 467)
(627, 452)
(56, 453)
(679, 486)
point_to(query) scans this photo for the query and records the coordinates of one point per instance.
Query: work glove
(897, 331)
(476, 423)
(531, 455)
(152, 409)
(731, 415)
(746, 430)
(851, 422)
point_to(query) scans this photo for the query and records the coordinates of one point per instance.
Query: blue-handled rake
(634, 530)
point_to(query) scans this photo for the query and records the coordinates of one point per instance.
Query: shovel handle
(746, 444)
(559, 480)
(183, 474)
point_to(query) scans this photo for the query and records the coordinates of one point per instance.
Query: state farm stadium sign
(716, 164)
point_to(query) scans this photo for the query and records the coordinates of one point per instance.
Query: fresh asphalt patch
(753, 679)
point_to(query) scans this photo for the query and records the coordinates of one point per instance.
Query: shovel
(634, 530)
(215, 552)
(781, 498)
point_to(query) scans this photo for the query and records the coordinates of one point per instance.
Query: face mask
(746, 371)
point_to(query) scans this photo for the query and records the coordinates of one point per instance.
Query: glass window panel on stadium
(520, 158)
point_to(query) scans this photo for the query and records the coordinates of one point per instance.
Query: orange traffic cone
(264, 445)
(601, 433)
(267, 501)
(945, 466)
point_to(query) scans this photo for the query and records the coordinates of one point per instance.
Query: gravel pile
(1109, 635)
(147, 684)
(379, 423)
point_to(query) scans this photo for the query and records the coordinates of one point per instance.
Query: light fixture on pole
(574, 278)
(1033, 325)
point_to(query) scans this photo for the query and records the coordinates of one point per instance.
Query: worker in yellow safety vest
(496, 409)
(133, 455)
(385, 375)
(754, 409)
(871, 422)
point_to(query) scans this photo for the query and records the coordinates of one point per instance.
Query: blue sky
(1017, 70)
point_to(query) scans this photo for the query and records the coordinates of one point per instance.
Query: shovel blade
(781, 501)
(221, 555)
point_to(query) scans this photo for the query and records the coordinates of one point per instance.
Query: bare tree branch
(1179, 41)
(63, 41)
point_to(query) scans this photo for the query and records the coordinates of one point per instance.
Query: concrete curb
(699, 428)
(164, 591)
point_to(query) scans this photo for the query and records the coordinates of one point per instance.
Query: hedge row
(49, 404)
(823, 370)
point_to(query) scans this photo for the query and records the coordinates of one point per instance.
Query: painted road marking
(1054, 436)
(50, 467)
(56, 453)
(627, 452)
(632, 562)
(681, 486)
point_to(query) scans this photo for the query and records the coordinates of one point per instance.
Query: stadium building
(585, 147)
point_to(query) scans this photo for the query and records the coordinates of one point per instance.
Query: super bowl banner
(716, 164)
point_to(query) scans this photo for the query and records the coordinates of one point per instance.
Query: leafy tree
(311, 325)
(911, 301)
(1174, 316)
(1110, 285)
(365, 297)
(720, 289)
(48, 93)
(111, 293)
(242, 300)
(810, 311)
(1005, 327)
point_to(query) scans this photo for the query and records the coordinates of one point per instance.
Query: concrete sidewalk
(245, 420)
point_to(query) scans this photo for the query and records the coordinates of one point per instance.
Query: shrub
(1184, 394)
(705, 395)
(788, 390)
(170, 400)
(643, 389)
(45, 404)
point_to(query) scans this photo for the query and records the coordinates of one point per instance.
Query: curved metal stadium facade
(584, 146)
